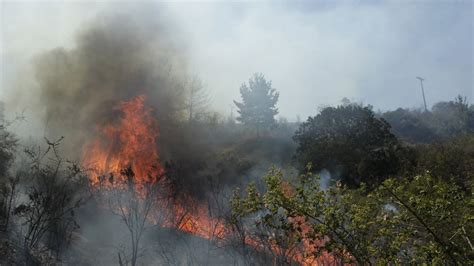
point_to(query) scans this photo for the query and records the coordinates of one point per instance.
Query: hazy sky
(315, 53)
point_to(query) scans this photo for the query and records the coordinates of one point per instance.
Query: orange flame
(132, 141)
(129, 142)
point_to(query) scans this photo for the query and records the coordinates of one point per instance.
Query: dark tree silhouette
(257, 108)
(350, 142)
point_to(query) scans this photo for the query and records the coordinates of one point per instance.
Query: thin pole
(423, 92)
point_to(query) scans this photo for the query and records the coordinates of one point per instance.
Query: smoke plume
(116, 58)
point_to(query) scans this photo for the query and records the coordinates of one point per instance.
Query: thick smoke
(115, 58)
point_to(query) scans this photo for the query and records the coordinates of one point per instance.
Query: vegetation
(134, 206)
(411, 221)
(451, 160)
(446, 120)
(257, 108)
(197, 98)
(349, 141)
(55, 189)
(8, 144)
(391, 201)
(399, 190)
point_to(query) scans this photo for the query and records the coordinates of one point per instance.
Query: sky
(315, 53)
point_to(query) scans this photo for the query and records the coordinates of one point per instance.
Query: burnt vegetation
(347, 186)
(388, 199)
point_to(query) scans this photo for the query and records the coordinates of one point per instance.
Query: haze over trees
(8, 182)
(124, 161)
(391, 201)
(387, 200)
(258, 106)
(348, 187)
(445, 120)
(197, 98)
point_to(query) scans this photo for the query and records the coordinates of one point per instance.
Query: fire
(131, 141)
(199, 222)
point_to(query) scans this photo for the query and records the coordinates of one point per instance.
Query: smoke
(325, 179)
(112, 58)
(302, 47)
(115, 58)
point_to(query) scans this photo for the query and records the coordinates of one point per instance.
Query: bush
(351, 143)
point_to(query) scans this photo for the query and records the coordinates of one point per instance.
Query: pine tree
(257, 108)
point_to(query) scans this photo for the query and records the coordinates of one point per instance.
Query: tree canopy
(257, 108)
(447, 119)
(350, 142)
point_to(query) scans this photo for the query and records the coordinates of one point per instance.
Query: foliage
(437, 218)
(56, 189)
(8, 143)
(452, 160)
(423, 220)
(257, 108)
(411, 126)
(8, 183)
(453, 118)
(226, 154)
(446, 120)
(350, 142)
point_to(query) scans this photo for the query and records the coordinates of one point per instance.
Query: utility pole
(423, 92)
